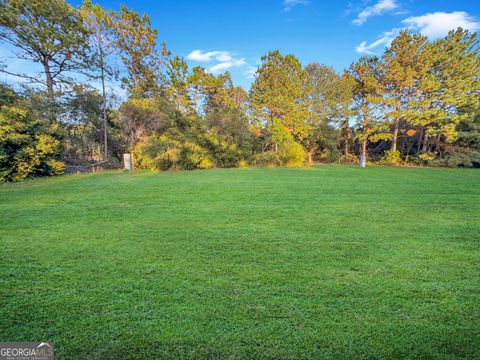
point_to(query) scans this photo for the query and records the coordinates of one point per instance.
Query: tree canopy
(418, 103)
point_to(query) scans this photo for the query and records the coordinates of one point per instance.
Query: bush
(458, 157)
(291, 154)
(28, 146)
(391, 157)
(164, 153)
(167, 159)
(54, 167)
(206, 163)
(329, 155)
(266, 159)
(242, 164)
(424, 159)
(223, 153)
(193, 156)
(156, 153)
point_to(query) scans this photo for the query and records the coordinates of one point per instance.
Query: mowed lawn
(327, 262)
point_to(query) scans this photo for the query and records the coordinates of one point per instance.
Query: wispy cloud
(438, 24)
(432, 25)
(250, 72)
(226, 65)
(385, 39)
(225, 59)
(289, 4)
(199, 55)
(381, 7)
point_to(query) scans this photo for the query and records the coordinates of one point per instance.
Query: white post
(127, 161)
(363, 161)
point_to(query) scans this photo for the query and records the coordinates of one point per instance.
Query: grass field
(328, 262)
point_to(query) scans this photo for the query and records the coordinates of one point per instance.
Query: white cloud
(382, 6)
(432, 25)
(289, 4)
(250, 72)
(438, 24)
(226, 65)
(385, 39)
(199, 55)
(225, 59)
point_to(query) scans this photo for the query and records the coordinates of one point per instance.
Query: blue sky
(233, 35)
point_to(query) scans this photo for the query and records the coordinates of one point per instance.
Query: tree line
(418, 103)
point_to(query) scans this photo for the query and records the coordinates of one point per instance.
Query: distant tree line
(419, 103)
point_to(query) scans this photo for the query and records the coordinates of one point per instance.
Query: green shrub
(28, 146)
(167, 159)
(458, 157)
(157, 153)
(193, 156)
(54, 167)
(223, 153)
(164, 153)
(206, 163)
(330, 155)
(242, 164)
(266, 159)
(391, 157)
(291, 154)
(424, 159)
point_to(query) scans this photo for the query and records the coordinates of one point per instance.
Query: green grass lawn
(327, 262)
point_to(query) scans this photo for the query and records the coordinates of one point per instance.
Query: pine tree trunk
(346, 146)
(195, 95)
(135, 80)
(395, 135)
(49, 80)
(104, 105)
(420, 138)
(364, 128)
(425, 143)
(345, 136)
(50, 90)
